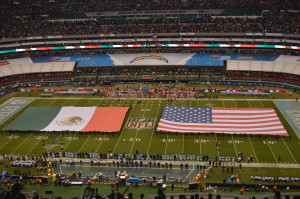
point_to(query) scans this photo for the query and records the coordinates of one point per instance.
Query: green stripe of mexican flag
(34, 118)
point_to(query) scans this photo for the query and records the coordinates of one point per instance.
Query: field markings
(88, 101)
(56, 138)
(289, 150)
(236, 153)
(7, 142)
(137, 131)
(53, 102)
(281, 136)
(41, 102)
(250, 139)
(166, 144)
(101, 143)
(101, 101)
(71, 140)
(199, 133)
(136, 134)
(262, 104)
(35, 145)
(183, 135)
(253, 149)
(218, 151)
(21, 144)
(234, 146)
(223, 103)
(189, 173)
(272, 151)
(235, 103)
(131, 111)
(84, 143)
(78, 101)
(153, 128)
(65, 100)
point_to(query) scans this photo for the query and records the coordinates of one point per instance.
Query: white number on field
(269, 142)
(71, 138)
(168, 140)
(200, 141)
(102, 139)
(41, 137)
(134, 139)
(13, 136)
(234, 141)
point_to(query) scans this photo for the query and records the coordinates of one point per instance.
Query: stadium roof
(49, 67)
(264, 66)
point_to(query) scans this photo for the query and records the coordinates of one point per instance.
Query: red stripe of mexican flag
(107, 119)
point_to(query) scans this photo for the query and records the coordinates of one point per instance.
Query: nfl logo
(140, 123)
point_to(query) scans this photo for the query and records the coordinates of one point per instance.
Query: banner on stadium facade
(154, 59)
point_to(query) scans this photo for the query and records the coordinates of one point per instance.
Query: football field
(144, 139)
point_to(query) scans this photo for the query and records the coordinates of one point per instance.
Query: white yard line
(182, 152)
(253, 149)
(153, 128)
(84, 143)
(216, 142)
(200, 144)
(189, 173)
(71, 140)
(35, 145)
(262, 103)
(67, 101)
(223, 103)
(235, 103)
(56, 138)
(272, 151)
(100, 144)
(137, 131)
(166, 144)
(292, 128)
(234, 146)
(75, 102)
(249, 104)
(250, 139)
(53, 101)
(7, 142)
(87, 103)
(199, 134)
(41, 102)
(287, 120)
(124, 123)
(21, 143)
(289, 150)
(100, 102)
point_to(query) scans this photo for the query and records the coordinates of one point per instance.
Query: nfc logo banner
(140, 123)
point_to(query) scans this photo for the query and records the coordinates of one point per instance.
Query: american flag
(220, 120)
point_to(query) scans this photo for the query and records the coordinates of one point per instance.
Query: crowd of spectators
(270, 22)
(260, 74)
(45, 7)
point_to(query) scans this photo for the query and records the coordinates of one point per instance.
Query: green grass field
(147, 141)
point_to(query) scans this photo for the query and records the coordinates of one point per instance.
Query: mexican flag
(98, 119)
